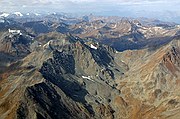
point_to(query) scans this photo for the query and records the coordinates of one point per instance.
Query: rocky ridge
(59, 75)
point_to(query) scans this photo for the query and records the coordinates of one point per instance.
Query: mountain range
(91, 67)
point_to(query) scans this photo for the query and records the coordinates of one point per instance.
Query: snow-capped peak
(28, 14)
(18, 14)
(4, 15)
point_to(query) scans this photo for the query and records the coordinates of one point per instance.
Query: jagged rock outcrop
(47, 101)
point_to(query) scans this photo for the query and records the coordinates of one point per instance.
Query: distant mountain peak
(37, 14)
(4, 15)
(18, 14)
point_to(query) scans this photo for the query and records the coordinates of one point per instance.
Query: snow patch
(15, 31)
(93, 47)
(18, 14)
(178, 26)
(4, 15)
(47, 44)
(2, 21)
(88, 78)
(114, 26)
(122, 61)
(37, 14)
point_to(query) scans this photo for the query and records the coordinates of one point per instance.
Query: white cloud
(46, 2)
(89, 6)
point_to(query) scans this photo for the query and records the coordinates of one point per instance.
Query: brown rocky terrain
(152, 81)
(123, 33)
(62, 76)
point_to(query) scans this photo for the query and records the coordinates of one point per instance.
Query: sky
(161, 9)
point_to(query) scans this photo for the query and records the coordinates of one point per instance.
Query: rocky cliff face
(68, 77)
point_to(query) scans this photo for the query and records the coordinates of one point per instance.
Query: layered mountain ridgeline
(120, 33)
(65, 76)
(125, 34)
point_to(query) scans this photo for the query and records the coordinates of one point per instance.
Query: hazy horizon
(165, 10)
